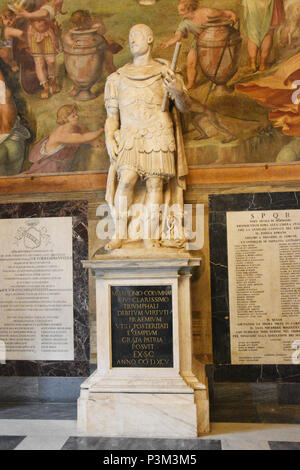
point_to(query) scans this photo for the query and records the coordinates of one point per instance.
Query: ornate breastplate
(140, 103)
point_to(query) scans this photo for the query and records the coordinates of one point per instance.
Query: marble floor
(53, 427)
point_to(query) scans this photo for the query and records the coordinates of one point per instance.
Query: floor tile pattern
(50, 426)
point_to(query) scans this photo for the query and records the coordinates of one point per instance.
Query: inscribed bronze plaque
(141, 326)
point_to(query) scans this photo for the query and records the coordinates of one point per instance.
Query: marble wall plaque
(141, 326)
(69, 344)
(36, 293)
(220, 206)
(264, 285)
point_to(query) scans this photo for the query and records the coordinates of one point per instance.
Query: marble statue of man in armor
(143, 140)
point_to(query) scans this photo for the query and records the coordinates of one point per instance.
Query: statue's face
(139, 41)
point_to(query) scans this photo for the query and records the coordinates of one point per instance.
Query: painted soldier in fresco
(43, 37)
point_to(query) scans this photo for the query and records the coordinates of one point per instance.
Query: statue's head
(140, 39)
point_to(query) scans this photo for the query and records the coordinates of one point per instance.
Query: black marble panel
(40, 389)
(254, 373)
(80, 366)
(276, 445)
(219, 205)
(39, 411)
(289, 394)
(284, 414)
(234, 414)
(142, 328)
(232, 402)
(10, 442)
(102, 443)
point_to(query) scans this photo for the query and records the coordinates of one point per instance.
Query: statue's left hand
(172, 84)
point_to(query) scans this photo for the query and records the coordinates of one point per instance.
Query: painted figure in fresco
(13, 134)
(54, 154)
(194, 18)
(209, 123)
(261, 18)
(43, 38)
(140, 136)
(82, 20)
(8, 32)
(289, 30)
(280, 93)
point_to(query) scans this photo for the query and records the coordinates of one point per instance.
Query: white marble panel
(40, 443)
(138, 415)
(244, 444)
(28, 427)
(255, 431)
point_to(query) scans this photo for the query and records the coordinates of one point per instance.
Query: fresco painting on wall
(240, 61)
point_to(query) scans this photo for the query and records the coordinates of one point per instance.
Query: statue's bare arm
(112, 124)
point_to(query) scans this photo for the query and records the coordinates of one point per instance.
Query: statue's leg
(154, 199)
(123, 201)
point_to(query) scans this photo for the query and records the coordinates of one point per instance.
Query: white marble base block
(139, 415)
(170, 402)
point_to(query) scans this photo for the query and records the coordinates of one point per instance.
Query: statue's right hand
(112, 148)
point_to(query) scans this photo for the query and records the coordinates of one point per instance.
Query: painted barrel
(219, 47)
(84, 52)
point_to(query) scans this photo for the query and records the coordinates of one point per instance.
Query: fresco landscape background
(257, 141)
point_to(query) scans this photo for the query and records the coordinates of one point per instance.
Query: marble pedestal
(169, 402)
